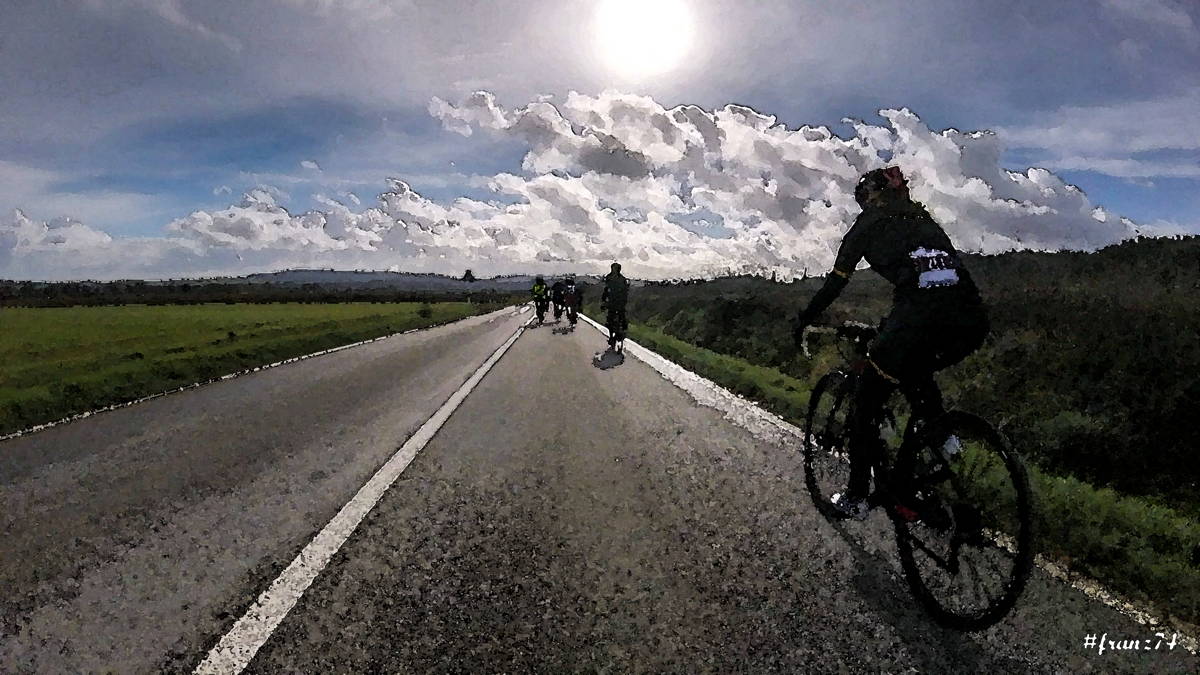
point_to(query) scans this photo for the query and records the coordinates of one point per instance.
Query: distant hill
(398, 281)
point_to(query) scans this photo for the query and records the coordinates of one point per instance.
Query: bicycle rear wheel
(965, 534)
(827, 441)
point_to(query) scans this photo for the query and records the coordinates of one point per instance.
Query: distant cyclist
(572, 299)
(556, 297)
(612, 302)
(541, 298)
(937, 317)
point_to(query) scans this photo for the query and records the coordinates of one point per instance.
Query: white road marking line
(242, 642)
(769, 427)
(222, 378)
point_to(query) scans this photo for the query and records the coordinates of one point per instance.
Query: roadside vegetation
(1092, 372)
(61, 361)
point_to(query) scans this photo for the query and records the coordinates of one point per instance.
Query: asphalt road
(573, 519)
(128, 538)
(566, 518)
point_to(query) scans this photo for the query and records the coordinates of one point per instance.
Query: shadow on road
(608, 359)
(878, 582)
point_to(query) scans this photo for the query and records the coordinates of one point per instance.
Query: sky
(184, 138)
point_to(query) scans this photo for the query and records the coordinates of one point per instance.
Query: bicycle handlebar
(851, 330)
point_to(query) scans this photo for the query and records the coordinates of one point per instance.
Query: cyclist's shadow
(608, 359)
(882, 586)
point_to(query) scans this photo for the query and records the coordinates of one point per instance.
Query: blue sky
(129, 114)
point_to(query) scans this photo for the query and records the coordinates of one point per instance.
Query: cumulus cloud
(1102, 138)
(669, 192)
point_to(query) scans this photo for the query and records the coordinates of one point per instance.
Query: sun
(643, 38)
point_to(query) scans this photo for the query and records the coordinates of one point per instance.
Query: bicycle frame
(860, 335)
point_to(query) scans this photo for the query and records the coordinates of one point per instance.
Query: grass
(1145, 551)
(62, 361)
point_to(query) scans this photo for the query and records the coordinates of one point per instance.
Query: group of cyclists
(937, 317)
(566, 297)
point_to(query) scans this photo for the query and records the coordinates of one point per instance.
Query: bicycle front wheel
(827, 441)
(964, 526)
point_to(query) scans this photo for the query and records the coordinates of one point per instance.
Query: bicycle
(956, 494)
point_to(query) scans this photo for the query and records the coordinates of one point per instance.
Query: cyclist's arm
(850, 252)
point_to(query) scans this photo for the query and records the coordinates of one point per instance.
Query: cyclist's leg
(924, 340)
(865, 415)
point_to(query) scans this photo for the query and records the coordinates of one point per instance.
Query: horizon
(728, 274)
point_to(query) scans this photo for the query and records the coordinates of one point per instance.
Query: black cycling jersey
(907, 247)
(903, 244)
(616, 289)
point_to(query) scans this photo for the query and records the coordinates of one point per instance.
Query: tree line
(1092, 367)
(134, 292)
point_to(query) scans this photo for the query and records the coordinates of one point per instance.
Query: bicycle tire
(835, 387)
(984, 445)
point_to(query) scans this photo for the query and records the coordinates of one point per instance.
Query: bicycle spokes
(826, 442)
(966, 503)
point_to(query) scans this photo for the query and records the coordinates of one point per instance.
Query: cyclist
(612, 302)
(556, 296)
(541, 297)
(937, 316)
(572, 299)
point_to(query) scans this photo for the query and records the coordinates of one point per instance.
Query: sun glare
(641, 38)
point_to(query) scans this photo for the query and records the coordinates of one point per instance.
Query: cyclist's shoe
(951, 447)
(906, 514)
(851, 507)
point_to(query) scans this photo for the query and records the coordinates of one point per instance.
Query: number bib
(935, 268)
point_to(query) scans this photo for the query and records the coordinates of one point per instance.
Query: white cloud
(667, 191)
(310, 164)
(258, 222)
(35, 191)
(1115, 131)
(1127, 168)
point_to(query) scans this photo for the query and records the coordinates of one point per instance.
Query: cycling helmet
(890, 181)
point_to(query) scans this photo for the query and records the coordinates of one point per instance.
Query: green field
(62, 361)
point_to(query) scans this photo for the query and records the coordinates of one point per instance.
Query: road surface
(565, 518)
